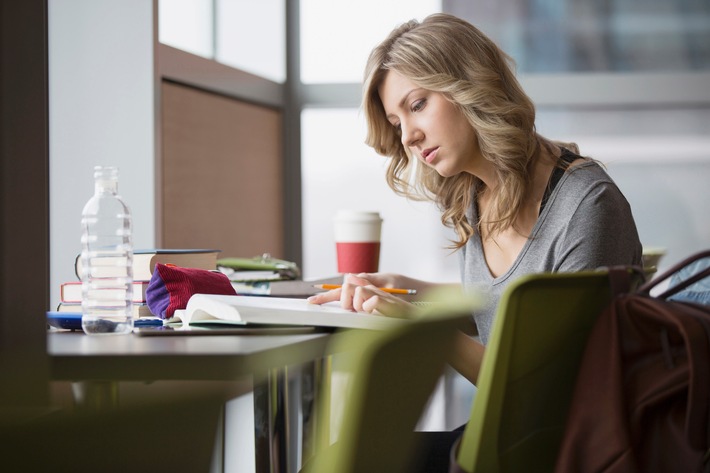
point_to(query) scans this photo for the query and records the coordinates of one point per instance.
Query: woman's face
(434, 129)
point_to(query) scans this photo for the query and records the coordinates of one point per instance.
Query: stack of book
(253, 276)
(144, 262)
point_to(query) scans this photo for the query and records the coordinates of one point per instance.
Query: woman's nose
(410, 135)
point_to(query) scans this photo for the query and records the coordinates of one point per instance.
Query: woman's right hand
(361, 293)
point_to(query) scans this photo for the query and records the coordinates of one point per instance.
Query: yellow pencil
(391, 290)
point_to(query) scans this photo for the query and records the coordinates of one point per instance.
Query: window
(240, 33)
(336, 37)
(252, 36)
(187, 25)
(583, 36)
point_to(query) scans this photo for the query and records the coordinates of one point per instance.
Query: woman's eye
(418, 105)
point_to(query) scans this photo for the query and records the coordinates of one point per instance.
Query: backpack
(641, 399)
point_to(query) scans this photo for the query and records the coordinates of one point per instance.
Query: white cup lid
(357, 215)
(357, 226)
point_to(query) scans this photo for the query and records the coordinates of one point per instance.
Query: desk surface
(75, 356)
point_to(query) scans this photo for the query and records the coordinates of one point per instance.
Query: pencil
(391, 290)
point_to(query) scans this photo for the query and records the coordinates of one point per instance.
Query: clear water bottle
(106, 259)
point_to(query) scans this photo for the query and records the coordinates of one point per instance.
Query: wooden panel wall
(221, 168)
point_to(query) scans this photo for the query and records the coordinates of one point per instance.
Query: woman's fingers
(360, 296)
(376, 279)
(344, 294)
(356, 279)
(371, 299)
(323, 297)
(358, 293)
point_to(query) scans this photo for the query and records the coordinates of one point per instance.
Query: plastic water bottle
(106, 259)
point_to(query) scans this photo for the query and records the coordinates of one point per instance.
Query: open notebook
(241, 310)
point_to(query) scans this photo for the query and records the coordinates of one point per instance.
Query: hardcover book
(71, 291)
(144, 261)
(140, 310)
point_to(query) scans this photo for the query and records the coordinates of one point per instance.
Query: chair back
(529, 370)
(394, 372)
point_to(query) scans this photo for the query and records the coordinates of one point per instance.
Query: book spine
(139, 309)
(71, 292)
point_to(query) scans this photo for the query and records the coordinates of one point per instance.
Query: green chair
(529, 370)
(394, 373)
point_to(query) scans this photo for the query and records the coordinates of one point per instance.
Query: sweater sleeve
(601, 232)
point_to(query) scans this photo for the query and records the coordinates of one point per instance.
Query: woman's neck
(502, 246)
(541, 166)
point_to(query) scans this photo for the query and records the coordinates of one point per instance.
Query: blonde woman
(443, 104)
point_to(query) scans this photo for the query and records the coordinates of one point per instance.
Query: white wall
(101, 111)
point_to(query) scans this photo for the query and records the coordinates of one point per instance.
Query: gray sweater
(586, 224)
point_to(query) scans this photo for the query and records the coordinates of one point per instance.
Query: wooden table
(97, 363)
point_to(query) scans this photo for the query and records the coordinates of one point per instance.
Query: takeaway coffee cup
(357, 241)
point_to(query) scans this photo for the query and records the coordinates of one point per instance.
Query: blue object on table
(72, 320)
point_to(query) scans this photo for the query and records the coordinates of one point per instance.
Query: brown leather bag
(642, 398)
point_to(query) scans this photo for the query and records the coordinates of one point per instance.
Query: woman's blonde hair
(448, 55)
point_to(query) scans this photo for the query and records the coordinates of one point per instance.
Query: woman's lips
(429, 154)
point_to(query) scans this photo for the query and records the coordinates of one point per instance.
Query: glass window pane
(579, 35)
(186, 25)
(340, 171)
(251, 36)
(336, 37)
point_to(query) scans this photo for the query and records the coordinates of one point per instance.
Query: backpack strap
(623, 279)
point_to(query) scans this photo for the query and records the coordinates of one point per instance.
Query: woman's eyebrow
(403, 101)
(406, 96)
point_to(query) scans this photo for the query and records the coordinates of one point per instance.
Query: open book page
(276, 310)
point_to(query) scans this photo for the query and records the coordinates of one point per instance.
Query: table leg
(95, 395)
(301, 394)
(284, 418)
(269, 423)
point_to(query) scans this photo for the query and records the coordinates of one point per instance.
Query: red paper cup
(357, 241)
(358, 257)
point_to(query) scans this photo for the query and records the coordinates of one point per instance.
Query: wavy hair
(448, 55)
